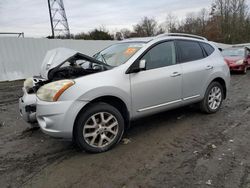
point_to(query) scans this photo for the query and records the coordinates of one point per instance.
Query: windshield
(118, 54)
(233, 52)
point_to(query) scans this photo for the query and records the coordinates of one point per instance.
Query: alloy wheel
(214, 98)
(100, 129)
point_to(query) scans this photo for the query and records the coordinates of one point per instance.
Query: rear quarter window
(208, 48)
(189, 51)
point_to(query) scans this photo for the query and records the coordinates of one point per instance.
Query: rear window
(189, 51)
(208, 48)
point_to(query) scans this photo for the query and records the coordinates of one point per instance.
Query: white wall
(22, 57)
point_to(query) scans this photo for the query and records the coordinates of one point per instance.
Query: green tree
(96, 34)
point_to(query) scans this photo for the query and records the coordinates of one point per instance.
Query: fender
(214, 76)
(107, 91)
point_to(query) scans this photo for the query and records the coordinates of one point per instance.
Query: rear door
(196, 68)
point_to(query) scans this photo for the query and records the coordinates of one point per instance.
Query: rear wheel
(213, 98)
(98, 128)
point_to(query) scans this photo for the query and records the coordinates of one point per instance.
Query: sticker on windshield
(130, 51)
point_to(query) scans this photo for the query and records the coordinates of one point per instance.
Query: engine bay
(77, 66)
(72, 67)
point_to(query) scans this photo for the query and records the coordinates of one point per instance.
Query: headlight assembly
(28, 83)
(240, 62)
(52, 91)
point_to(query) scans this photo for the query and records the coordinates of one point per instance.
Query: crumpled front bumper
(57, 118)
(27, 107)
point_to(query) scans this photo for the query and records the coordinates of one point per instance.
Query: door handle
(209, 67)
(175, 74)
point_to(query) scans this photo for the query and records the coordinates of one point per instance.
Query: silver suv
(91, 100)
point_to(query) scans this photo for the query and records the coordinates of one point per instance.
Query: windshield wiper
(103, 58)
(93, 60)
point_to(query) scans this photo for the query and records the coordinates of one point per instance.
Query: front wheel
(98, 128)
(213, 98)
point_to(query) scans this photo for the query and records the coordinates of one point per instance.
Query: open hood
(63, 63)
(55, 58)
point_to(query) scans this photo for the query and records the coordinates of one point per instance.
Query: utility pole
(58, 20)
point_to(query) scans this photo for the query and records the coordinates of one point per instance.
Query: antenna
(58, 19)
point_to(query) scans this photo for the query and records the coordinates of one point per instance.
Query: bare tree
(228, 21)
(203, 17)
(126, 33)
(170, 24)
(233, 15)
(147, 27)
(118, 36)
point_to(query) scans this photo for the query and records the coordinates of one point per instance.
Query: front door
(159, 86)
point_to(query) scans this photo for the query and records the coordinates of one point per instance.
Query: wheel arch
(114, 101)
(223, 84)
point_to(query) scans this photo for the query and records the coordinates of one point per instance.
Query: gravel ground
(179, 148)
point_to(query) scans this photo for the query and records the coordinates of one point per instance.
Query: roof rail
(181, 35)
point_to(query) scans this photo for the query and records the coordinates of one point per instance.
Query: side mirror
(137, 67)
(142, 64)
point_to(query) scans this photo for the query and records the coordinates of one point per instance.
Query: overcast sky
(32, 17)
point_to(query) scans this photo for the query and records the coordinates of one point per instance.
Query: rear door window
(208, 48)
(189, 51)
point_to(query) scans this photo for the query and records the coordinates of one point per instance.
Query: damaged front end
(58, 64)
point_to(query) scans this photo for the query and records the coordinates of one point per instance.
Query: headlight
(240, 62)
(52, 91)
(28, 83)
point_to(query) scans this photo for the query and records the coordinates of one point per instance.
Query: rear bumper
(57, 118)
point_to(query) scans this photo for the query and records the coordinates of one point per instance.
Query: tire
(206, 105)
(99, 128)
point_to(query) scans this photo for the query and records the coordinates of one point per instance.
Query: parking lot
(179, 148)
